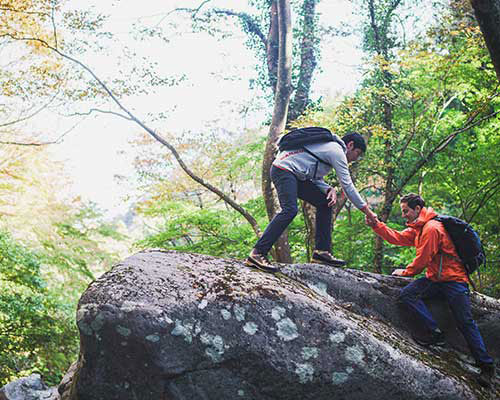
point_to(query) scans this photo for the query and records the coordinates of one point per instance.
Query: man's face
(409, 213)
(352, 153)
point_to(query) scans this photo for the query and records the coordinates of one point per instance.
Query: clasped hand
(371, 220)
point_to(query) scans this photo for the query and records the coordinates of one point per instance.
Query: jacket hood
(426, 214)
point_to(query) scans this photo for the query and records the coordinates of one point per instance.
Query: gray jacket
(306, 167)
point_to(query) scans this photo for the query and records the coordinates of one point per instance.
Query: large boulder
(29, 388)
(168, 325)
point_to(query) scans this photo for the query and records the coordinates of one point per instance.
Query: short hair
(413, 200)
(359, 141)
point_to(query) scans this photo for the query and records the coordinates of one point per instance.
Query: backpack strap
(457, 259)
(336, 140)
(465, 269)
(317, 158)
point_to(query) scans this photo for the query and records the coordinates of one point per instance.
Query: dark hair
(413, 200)
(359, 141)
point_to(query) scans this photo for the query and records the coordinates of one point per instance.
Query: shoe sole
(250, 263)
(338, 265)
(439, 344)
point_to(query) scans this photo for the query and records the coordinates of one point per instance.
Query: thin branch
(412, 135)
(251, 220)
(57, 141)
(487, 194)
(23, 11)
(251, 24)
(486, 187)
(97, 110)
(26, 143)
(30, 115)
(194, 11)
(52, 17)
(442, 145)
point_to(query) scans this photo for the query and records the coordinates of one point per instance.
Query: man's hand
(371, 218)
(398, 272)
(331, 196)
(370, 221)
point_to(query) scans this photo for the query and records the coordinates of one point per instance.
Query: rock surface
(30, 388)
(168, 325)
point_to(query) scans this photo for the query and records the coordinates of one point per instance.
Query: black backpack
(466, 241)
(298, 138)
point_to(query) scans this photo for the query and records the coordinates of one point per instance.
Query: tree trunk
(281, 103)
(308, 61)
(272, 44)
(272, 48)
(378, 256)
(309, 213)
(488, 16)
(381, 47)
(388, 189)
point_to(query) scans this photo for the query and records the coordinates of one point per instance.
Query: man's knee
(290, 212)
(405, 297)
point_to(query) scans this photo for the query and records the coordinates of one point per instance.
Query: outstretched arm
(370, 217)
(400, 238)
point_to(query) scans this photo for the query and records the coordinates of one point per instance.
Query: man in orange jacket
(445, 276)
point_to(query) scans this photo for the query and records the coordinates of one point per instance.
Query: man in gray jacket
(299, 174)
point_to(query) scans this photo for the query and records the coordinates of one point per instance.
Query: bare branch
(247, 20)
(250, 23)
(97, 110)
(251, 220)
(193, 11)
(442, 145)
(30, 115)
(57, 141)
(52, 17)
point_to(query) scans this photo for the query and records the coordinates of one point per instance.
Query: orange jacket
(433, 244)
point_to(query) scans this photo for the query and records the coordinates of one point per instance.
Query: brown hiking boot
(261, 262)
(324, 257)
(487, 375)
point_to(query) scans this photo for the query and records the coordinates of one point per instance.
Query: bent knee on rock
(404, 297)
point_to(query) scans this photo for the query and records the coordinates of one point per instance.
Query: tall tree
(488, 16)
(408, 117)
(98, 87)
(380, 40)
(262, 30)
(269, 49)
(281, 104)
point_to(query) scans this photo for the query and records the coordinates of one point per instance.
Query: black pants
(289, 188)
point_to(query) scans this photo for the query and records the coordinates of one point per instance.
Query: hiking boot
(485, 378)
(324, 257)
(261, 262)
(435, 339)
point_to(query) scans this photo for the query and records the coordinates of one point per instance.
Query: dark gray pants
(289, 188)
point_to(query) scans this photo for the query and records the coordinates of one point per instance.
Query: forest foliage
(428, 103)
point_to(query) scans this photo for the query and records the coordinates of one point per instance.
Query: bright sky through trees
(214, 92)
